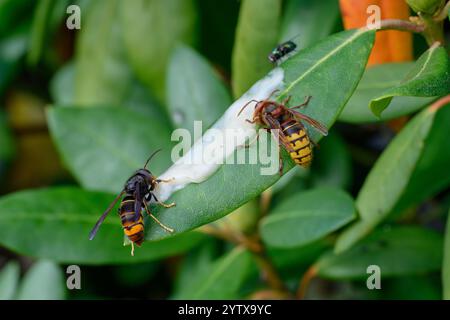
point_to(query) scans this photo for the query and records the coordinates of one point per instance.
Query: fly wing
(103, 216)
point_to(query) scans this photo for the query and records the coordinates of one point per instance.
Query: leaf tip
(377, 106)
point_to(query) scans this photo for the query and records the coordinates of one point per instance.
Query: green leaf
(332, 173)
(306, 217)
(446, 262)
(102, 73)
(297, 259)
(14, 13)
(47, 17)
(38, 30)
(14, 47)
(256, 36)
(388, 178)
(9, 278)
(62, 85)
(224, 278)
(104, 146)
(43, 281)
(430, 77)
(375, 81)
(307, 73)
(295, 180)
(140, 100)
(428, 7)
(305, 22)
(433, 162)
(151, 31)
(137, 97)
(326, 65)
(194, 90)
(195, 266)
(397, 251)
(51, 220)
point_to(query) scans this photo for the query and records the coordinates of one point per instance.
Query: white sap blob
(209, 152)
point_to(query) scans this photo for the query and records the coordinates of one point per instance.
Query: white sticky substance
(185, 171)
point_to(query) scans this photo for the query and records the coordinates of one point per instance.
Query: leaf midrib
(425, 64)
(322, 60)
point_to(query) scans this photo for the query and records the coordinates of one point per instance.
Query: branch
(266, 198)
(401, 25)
(231, 236)
(270, 274)
(440, 103)
(255, 246)
(304, 282)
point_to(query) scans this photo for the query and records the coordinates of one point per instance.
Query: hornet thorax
(142, 179)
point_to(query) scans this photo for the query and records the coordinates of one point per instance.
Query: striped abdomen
(133, 228)
(301, 149)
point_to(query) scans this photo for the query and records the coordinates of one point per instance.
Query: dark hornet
(138, 190)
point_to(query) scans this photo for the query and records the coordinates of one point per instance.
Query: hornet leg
(304, 104)
(165, 181)
(170, 205)
(280, 169)
(157, 221)
(286, 101)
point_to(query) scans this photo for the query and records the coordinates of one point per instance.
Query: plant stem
(440, 103)
(255, 246)
(401, 25)
(431, 29)
(266, 198)
(305, 281)
(269, 294)
(270, 274)
(434, 30)
(231, 237)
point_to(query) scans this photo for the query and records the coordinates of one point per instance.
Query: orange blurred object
(391, 45)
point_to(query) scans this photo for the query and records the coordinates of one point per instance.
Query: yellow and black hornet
(138, 190)
(293, 135)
